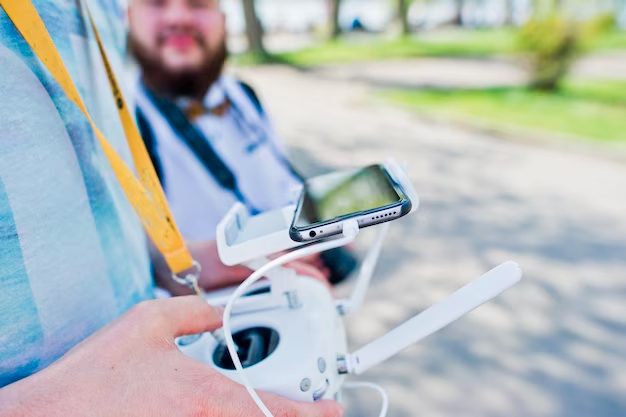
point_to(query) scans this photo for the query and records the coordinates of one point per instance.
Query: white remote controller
(294, 345)
(287, 332)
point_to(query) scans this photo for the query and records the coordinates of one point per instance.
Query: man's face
(180, 36)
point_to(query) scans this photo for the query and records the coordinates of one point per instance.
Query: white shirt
(244, 140)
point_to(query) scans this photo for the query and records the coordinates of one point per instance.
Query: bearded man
(208, 134)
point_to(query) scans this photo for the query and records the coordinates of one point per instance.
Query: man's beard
(183, 83)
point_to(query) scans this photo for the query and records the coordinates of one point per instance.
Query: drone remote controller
(287, 331)
(297, 347)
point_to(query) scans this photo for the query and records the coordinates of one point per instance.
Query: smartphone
(369, 195)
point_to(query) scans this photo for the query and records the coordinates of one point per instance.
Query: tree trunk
(254, 30)
(334, 19)
(403, 11)
(458, 16)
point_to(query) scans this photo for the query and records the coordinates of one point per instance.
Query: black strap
(148, 138)
(254, 98)
(197, 143)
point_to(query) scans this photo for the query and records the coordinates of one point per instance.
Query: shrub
(552, 44)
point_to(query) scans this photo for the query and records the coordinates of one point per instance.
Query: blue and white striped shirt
(73, 255)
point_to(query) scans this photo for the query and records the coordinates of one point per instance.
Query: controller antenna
(433, 319)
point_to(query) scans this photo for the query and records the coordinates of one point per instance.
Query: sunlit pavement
(428, 72)
(555, 345)
(463, 72)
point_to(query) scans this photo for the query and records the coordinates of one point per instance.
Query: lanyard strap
(145, 194)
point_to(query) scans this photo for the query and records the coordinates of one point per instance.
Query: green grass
(250, 59)
(595, 110)
(475, 43)
(452, 43)
(610, 41)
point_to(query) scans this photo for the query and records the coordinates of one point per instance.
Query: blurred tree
(554, 43)
(403, 12)
(458, 12)
(254, 30)
(335, 7)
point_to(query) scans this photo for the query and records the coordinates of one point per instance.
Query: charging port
(255, 345)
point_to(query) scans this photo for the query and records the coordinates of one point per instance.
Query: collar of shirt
(215, 102)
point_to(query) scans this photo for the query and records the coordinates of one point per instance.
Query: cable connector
(350, 229)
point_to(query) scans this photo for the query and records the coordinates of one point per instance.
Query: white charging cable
(385, 399)
(366, 272)
(350, 230)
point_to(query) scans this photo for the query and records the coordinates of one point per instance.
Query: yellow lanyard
(145, 194)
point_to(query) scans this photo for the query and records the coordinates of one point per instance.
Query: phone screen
(341, 193)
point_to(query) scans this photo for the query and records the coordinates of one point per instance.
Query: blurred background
(511, 116)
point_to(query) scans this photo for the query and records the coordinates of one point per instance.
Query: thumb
(307, 270)
(280, 406)
(180, 316)
(320, 409)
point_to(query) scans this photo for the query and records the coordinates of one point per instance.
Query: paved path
(463, 72)
(555, 345)
(428, 72)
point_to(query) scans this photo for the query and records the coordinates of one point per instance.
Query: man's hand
(214, 273)
(307, 270)
(133, 368)
(316, 262)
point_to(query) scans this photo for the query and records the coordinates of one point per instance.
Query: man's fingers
(309, 271)
(178, 316)
(320, 409)
(238, 272)
(281, 406)
(306, 269)
(311, 259)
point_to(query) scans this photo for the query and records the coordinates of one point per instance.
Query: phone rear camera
(312, 233)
